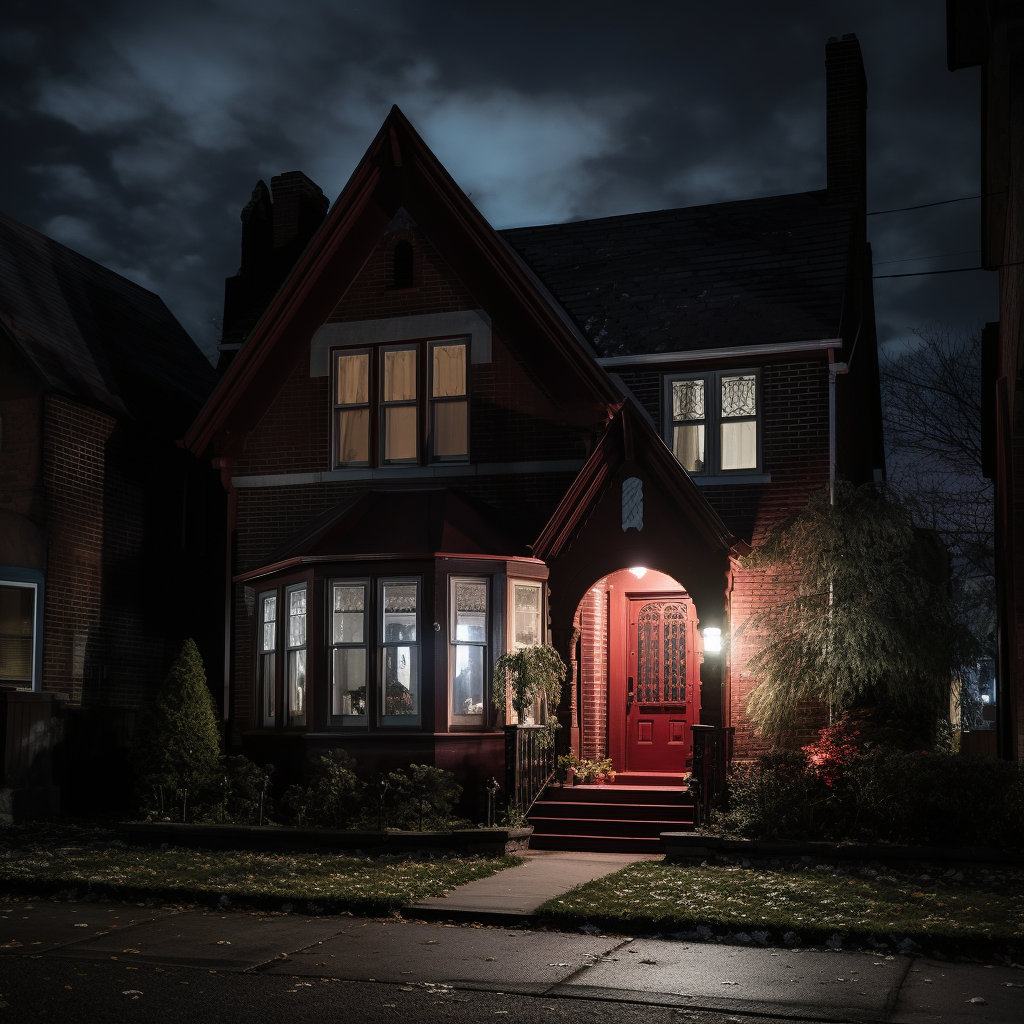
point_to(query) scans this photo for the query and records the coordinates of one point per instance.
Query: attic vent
(632, 504)
(403, 264)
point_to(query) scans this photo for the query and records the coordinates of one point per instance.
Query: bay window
(295, 603)
(468, 655)
(712, 422)
(348, 652)
(400, 652)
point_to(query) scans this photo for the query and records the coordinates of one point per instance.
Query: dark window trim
(369, 644)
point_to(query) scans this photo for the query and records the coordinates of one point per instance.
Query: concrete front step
(596, 844)
(590, 809)
(543, 825)
(618, 794)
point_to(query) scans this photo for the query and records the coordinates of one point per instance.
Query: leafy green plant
(331, 796)
(530, 676)
(422, 797)
(868, 622)
(176, 747)
(244, 791)
(587, 770)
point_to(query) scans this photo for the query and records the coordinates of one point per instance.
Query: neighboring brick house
(104, 520)
(440, 441)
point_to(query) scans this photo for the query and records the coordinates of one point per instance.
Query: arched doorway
(639, 654)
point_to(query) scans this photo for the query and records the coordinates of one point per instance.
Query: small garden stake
(492, 793)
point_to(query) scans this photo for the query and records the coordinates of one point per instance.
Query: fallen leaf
(977, 1000)
(79, 926)
(220, 942)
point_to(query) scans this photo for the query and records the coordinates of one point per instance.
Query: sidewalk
(817, 984)
(515, 893)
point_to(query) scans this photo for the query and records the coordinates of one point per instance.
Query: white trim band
(474, 322)
(715, 354)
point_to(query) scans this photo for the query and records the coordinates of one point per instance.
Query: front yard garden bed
(310, 882)
(486, 842)
(821, 906)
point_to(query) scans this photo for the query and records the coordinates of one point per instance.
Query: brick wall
(594, 673)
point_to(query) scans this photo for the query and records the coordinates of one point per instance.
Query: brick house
(103, 517)
(440, 441)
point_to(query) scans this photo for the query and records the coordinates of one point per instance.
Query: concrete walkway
(517, 892)
(808, 984)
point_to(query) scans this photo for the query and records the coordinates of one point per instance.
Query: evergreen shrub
(422, 797)
(331, 796)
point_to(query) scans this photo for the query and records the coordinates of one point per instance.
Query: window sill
(722, 481)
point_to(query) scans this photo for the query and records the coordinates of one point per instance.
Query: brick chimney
(846, 103)
(277, 224)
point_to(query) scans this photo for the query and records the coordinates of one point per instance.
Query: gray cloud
(139, 129)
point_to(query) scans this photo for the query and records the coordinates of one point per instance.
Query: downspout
(225, 465)
(834, 369)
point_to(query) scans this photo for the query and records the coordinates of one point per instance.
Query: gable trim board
(475, 322)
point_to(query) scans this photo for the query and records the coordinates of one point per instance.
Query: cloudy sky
(134, 132)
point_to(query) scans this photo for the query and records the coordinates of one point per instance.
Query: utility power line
(923, 206)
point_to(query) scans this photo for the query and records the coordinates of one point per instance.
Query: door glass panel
(471, 611)
(399, 433)
(400, 376)
(468, 690)
(348, 615)
(354, 435)
(739, 445)
(661, 653)
(349, 681)
(353, 379)
(451, 429)
(399, 612)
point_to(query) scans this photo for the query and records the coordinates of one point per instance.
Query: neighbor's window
(17, 633)
(295, 603)
(352, 408)
(400, 660)
(399, 407)
(713, 427)
(468, 659)
(449, 408)
(348, 652)
(267, 666)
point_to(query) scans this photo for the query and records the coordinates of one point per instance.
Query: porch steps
(616, 818)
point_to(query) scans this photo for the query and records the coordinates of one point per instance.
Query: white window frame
(351, 721)
(540, 585)
(456, 719)
(411, 721)
(36, 588)
(713, 419)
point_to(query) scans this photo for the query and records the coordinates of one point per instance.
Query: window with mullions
(399, 408)
(348, 652)
(17, 634)
(527, 630)
(352, 408)
(295, 605)
(267, 667)
(449, 407)
(468, 641)
(713, 428)
(400, 652)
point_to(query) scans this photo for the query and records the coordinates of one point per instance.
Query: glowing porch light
(712, 640)
(639, 571)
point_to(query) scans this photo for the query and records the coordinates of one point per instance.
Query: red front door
(661, 671)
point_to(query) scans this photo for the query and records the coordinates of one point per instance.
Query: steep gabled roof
(630, 439)
(97, 336)
(758, 271)
(398, 170)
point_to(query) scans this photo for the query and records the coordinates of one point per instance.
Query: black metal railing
(529, 764)
(712, 751)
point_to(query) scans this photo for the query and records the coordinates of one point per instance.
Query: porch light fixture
(712, 640)
(639, 571)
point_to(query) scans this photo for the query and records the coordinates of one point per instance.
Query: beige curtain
(451, 434)
(400, 376)
(449, 377)
(353, 379)
(688, 446)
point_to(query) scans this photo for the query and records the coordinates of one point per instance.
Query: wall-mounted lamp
(712, 640)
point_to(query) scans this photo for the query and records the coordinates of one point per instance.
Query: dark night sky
(134, 132)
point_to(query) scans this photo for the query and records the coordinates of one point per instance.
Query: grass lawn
(814, 905)
(361, 885)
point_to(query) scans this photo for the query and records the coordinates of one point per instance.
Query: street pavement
(174, 964)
